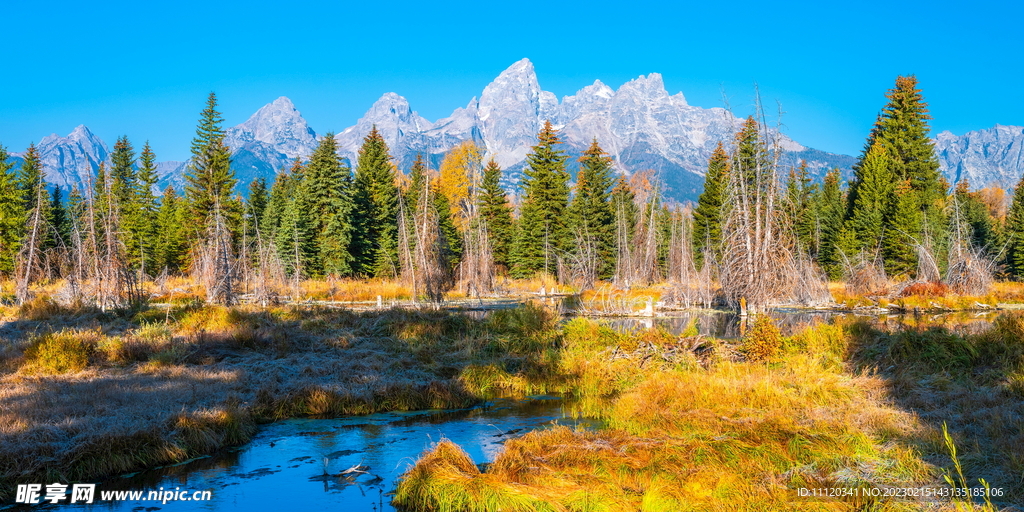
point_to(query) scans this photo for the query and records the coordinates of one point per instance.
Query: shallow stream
(283, 467)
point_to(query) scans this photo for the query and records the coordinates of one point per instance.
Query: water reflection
(284, 465)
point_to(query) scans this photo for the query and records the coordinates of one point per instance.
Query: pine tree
(209, 179)
(123, 176)
(707, 216)
(375, 240)
(327, 185)
(142, 219)
(295, 236)
(1015, 233)
(496, 211)
(58, 220)
(171, 242)
(30, 177)
(975, 217)
(871, 195)
(12, 214)
(800, 190)
(453, 243)
(830, 207)
(898, 153)
(591, 213)
(541, 233)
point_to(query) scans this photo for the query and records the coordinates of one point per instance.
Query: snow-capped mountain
(269, 140)
(70, 161)
(993, 156)
(640, 124)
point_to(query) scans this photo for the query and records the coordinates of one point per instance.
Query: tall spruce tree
(1015, 233)
(899, 159)
(800, 191)
(830, 207)
(171, 244)
(541, 234)
(209, 180)
(591, 213)
(142, 222)
(707, 216)
(327, 186)
(375, 240)
(12, 213)
(496, 211)
(30, 178)
(296, 235)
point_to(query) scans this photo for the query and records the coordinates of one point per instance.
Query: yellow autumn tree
(460, 171)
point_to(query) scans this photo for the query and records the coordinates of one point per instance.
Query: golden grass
(735, 435)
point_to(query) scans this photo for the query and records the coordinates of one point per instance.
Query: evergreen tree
(59, 222)
(171, 245)
(898, 153)
(871, 195)
(327, 186)
(209, 179)
(898, 246)
(707, 216)
(375, 240)
(453, 245)
(800, 192)
(417, 180)
(259, 196)
(280, 191)
(12, 214)
(496, 211)
(142, 218)
(30, 178)
(296, 235)
(830, 206)
(591, 213)
(1015, 233)
(541, 234)
(124, 184)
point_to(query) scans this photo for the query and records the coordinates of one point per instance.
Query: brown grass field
(692, 423)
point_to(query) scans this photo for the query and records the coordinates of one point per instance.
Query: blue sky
(143, 69)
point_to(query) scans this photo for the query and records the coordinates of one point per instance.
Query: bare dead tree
(214, 261)
(758, 266)
(689, 287)
(476, 270)
(969, 270)
(433, 276)
(623, 249)
(583, 261)
(28, 258)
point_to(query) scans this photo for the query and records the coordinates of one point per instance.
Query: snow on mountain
(269, 140)
(71, 161)
(993, 156)
(640, 124)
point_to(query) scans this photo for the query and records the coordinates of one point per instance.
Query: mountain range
(639, 124)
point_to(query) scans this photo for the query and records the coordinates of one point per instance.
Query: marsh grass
(113, 394)
(744, 433)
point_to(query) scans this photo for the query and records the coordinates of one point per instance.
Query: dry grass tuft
(60, 352)
(764, 340)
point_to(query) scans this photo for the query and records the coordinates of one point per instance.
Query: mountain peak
(278, 124)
